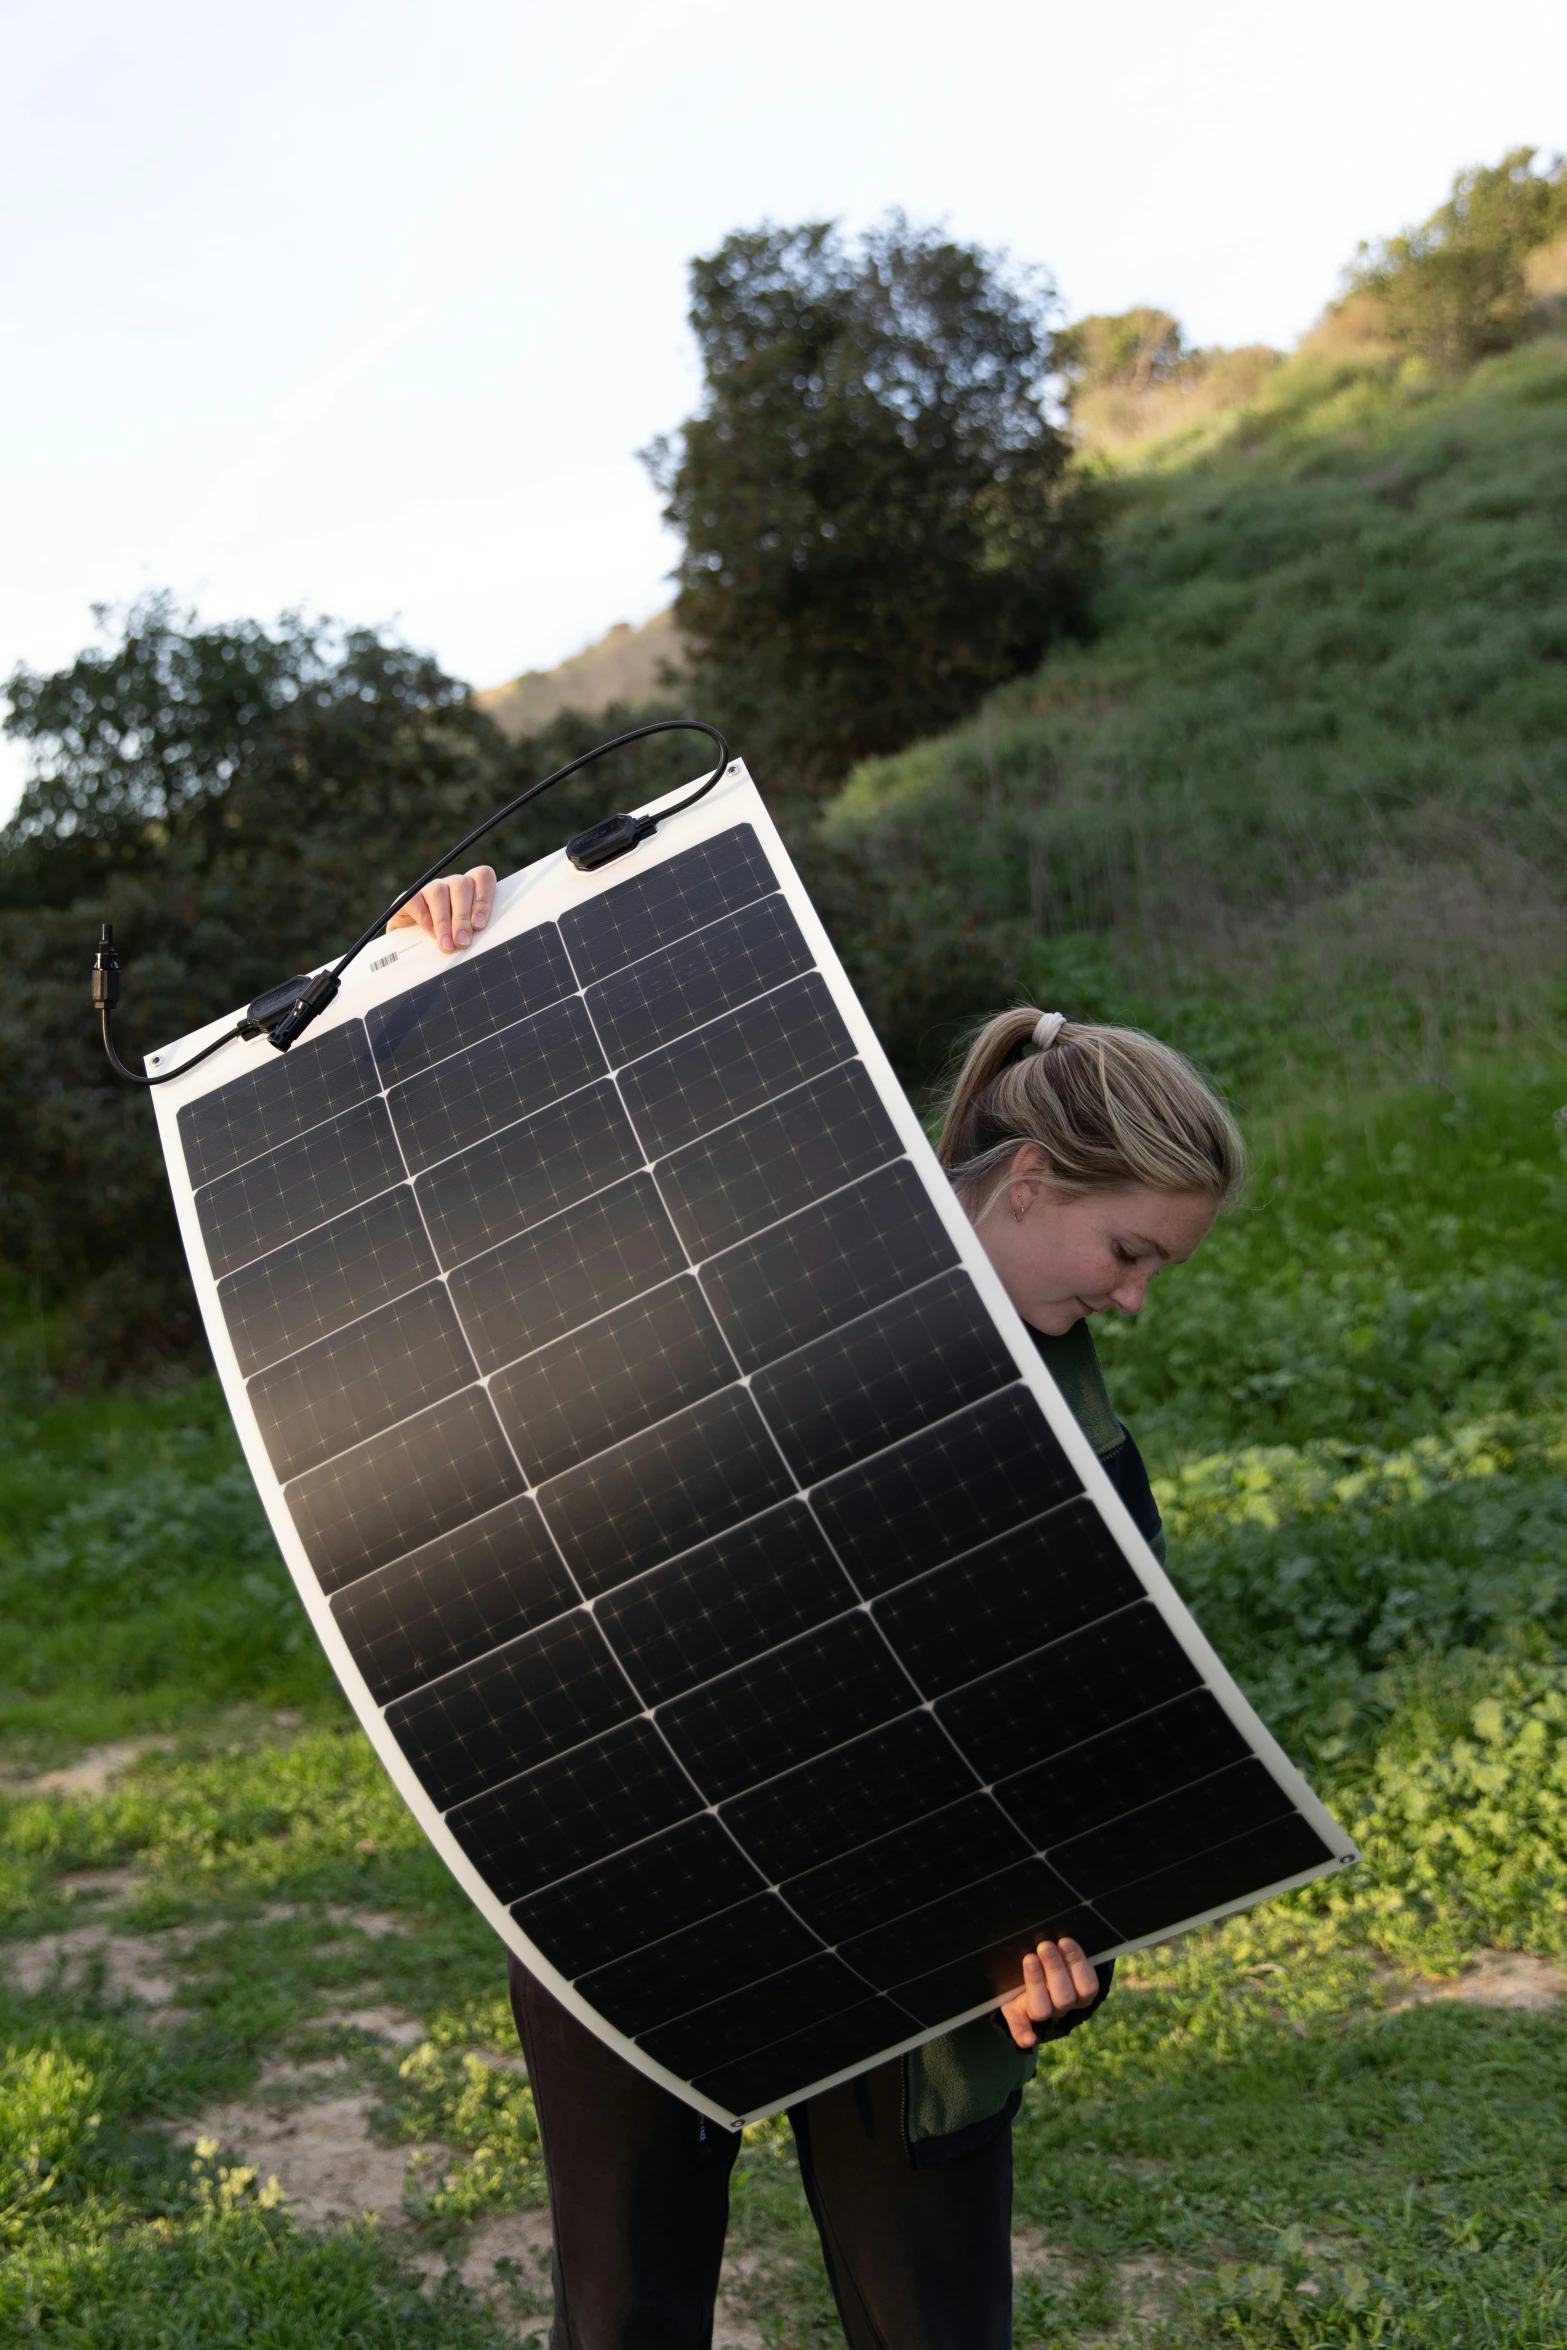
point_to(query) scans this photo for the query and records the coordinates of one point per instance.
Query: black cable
(132, 1077)
(599, 845)
(642, 826)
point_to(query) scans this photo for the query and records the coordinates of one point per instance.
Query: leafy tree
(872, 498)
(234, 799)
(238, 801)
(1455, 289)
(1129, 351)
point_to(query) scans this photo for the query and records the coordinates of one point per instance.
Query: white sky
(367, 307)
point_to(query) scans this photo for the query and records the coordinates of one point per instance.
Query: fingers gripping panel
(679, 1499)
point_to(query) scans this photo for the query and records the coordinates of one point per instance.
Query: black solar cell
(276, 1100)
(279, 1303)
(1122, 1768)
(688, 1969)
(552, 1160)
(994, 1465)
(829, 2045)
(456, 1598)
(847, 1797)
(876, 1380)
(424, 1024)
(381, 1369)
(754, 2014)
(971, 1616)
(1118, 1667)
(686, 985)
(724, 1602)
(573, 1811)
(603, 1382)
(994, 1971)
(673, 1879)
(646, 910)
(475, 1092)
(1263, 1856)
(901, 1872)
(420, 1479)
(541, 1694)
(827, 1264)
(1175, 1828)
(283, 1192)
(1025, 1899)
(796, 1701)
(762, 1167)
(734, 1065)
(567, 1271)
(675, 1485)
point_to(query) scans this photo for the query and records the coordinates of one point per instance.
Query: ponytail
(1107, 1107)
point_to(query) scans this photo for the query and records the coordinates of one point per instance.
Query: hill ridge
(623, 665)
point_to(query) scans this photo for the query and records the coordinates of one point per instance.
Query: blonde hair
(1107, 1107)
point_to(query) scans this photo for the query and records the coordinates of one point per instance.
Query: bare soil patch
(319, 2151)
(387, 2023)
(139, 1966)
(98, 1884)
(522, 2241)
(92, 1773)
(373, 1922)
(1147, 2283)
(320, 2154)
(1498, 1978)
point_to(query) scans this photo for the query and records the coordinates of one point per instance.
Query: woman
(1087, 1158)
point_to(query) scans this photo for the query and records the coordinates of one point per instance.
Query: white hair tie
(1047, 1028)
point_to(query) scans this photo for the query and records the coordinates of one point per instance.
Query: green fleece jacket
(955, 2086)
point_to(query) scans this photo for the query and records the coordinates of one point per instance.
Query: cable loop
(317, 993)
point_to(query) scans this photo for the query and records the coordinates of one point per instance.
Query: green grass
(139, 1576)
(1390, 2178)
(1303, 798)
(1354, 1405)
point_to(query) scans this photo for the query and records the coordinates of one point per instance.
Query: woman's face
(1061, 1257)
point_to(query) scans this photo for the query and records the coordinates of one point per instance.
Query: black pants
(639, 2189)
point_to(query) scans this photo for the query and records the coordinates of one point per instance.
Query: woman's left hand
(1057, 1980)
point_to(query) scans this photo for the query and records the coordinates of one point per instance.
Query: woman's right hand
(450, 911)
(1058, 1980)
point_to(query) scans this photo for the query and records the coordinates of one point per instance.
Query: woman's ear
(1030, 1168)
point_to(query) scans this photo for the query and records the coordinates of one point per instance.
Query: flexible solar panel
(683, 1506)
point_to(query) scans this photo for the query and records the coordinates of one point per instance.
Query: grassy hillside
(1304, 798)
(624, 665)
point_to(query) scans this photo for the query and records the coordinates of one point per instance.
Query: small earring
(1019, 1213)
